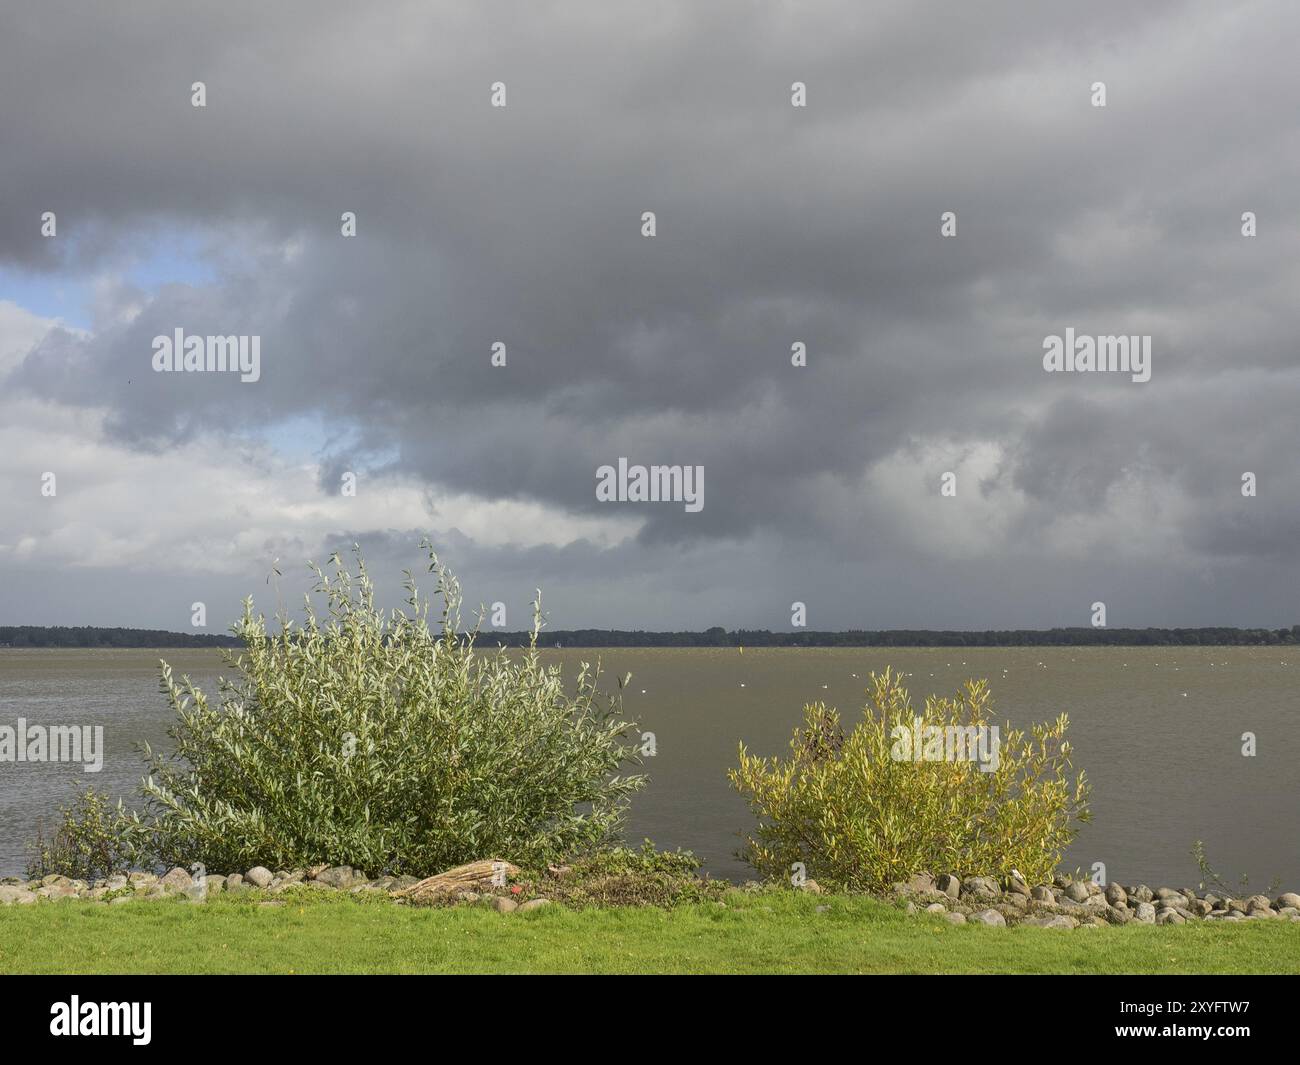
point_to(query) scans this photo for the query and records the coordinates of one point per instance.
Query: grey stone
(12, 895)
(919, 884)
(956, 918)
(936, 907)
(950, 885)
(1016, 887)
(537, 904)
(178, 880)
(1170, 917)
(1042, 894)
(1288, 899)
(1115, 894)
(980, 887)
(1145, 913)
(504, 905)
(338, 876)
(1119, 915)
(1077, 891)
(1058, 921)
(259, 876)
(1142, 893)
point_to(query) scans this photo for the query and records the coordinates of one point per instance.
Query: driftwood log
(476, 876)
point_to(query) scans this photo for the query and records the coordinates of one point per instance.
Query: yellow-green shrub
(860, 819)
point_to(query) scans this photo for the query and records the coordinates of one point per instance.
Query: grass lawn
(770, 933)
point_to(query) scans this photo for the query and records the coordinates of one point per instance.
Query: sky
(774, 224)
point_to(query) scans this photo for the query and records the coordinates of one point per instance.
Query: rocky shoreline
(1067, 903)
(487, 881)
(1064, 904)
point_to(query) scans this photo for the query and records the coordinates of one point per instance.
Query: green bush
(859, 818)
(363, 738)
(93, 839)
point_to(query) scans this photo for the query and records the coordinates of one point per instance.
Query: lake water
(1157, 730)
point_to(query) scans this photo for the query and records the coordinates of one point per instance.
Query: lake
(1158, 731)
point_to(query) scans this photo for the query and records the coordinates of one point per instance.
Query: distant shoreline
(90, 636)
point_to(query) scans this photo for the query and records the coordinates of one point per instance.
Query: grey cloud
(774, 225)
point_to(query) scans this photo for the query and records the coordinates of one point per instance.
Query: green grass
(768, 933)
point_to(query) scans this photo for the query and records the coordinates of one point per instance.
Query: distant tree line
(1074, 637)
(96, 636)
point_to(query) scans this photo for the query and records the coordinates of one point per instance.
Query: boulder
(504, 905)
(259, 876)
(989, 917)
(1288, 899)
(1145, 913)
(1119, 915)
(1059, 921)
(1116, 895)
(980, 887)
(1141, 892)
(920, 884)
(1042, 894)
(338, 876)
(936, 907)
(1170, 917)
(1077, 891)
(475, 876)
(178, 880)
(12, 895)
(537, 904)
(949, 885)
(956, 918)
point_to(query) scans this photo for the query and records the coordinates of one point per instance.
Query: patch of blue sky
(164, 256)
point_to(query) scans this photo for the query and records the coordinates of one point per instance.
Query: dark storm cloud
(775, 224)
